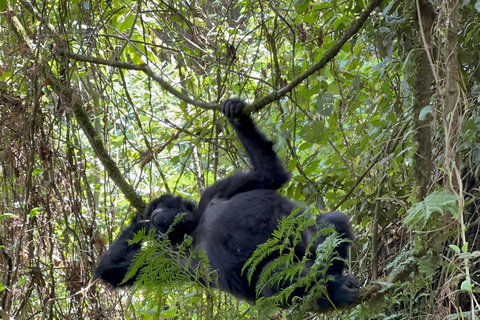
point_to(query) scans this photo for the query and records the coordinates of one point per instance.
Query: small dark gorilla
(234, 216)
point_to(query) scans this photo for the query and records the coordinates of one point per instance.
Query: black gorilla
(234, 216)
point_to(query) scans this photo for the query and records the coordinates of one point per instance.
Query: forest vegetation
(374, 107)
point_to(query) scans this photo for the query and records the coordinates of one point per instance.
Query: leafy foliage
(436, 202)
(345, 133)
(288, 270)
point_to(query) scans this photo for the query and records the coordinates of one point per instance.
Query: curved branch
(97, 144)
(140, 67)
(262, 101)
(327, 57)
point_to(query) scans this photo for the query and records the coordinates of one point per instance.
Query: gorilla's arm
(113, 264)
(259, 149)
(267, 171)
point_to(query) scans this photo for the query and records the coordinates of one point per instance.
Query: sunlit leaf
(313, 133)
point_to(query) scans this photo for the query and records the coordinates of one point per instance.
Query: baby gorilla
(234, 216)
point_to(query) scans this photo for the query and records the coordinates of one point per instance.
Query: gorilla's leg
(343, 290)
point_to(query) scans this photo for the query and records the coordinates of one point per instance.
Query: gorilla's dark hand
(232, 109)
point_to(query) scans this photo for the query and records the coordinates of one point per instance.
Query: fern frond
(436, 202)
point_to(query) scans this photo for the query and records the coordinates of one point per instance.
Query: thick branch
(423, 16)
(93, 137)
(97, 144)
(17, 27)
(110, 166)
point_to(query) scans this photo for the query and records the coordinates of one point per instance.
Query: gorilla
(234, 216)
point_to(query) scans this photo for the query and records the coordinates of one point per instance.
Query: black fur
(234, 216)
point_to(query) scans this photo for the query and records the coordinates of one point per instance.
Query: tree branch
(258, 104)
(96, 142)
(140, 67)
(327, 57)
(93, 137)
(110, 166)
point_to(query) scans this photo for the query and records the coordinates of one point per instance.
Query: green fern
(285, 270)
(289, 271)
(159, 265)
(283, 242)
(436, 202)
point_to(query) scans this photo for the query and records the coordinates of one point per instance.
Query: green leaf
(313, 133)
(423, 113)
(37, 171)
(7, 215)
(304, 146)
(302, 5)
(127, 23)
(466, 285)
(436, 202)
(455, 248)
(198, 22)
(292, 164)
(21, 281)
(34, 212)
(325, 104)
(356, 82)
